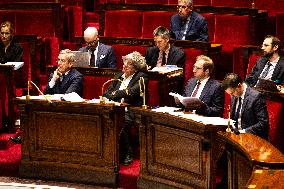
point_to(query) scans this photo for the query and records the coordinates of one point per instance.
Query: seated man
(270, 66)
(204, 87)
(127, 88)
(65, 79)
(187, 24)
(101, 56)
(248, 106)
(164, 53)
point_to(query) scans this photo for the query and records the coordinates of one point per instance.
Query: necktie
(237, 112)
(93, 58)
(164, 58)
(265, 72)
(196, 89)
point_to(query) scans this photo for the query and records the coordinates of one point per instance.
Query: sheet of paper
(17, 65)
(165, 109)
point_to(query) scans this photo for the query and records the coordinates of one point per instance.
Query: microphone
(28, 95)
(142, 92)
(102, 101)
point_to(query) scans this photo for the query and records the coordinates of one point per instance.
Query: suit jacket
(176, 56)
(14, 53)
(72, 82)
(212, 95)
(105, 57)
(277, 76)
(254, 115)
(133, 96)
(196, 31)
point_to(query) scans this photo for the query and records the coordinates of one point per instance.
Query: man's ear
(275, 47)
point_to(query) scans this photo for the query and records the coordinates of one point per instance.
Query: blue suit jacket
(176, 56)
(106, 57)
(254, 115)
(196, 31)
(277, 76)
(72, 82)
(212, 95)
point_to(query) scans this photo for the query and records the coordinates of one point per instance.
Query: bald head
(90, 34)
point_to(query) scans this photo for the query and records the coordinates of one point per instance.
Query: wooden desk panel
(77, 142)
(176, 152)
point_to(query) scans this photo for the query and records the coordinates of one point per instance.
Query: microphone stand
(142, 92)
(102, 101)
(28, 96)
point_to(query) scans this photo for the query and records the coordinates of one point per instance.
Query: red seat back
(123, 23)
(280, 26)
(152, 20)
(231, 3)
(93, 85)
(252, 61)
(210, 24)
(146, 1)
(153, 93)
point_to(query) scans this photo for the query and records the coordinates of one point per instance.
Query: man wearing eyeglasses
(187, 24)
(101, 55)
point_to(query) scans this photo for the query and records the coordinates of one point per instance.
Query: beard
(268, 55)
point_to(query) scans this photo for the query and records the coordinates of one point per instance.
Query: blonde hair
(69, 55)
(138, 61)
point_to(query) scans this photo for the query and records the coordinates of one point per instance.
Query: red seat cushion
(123, 23)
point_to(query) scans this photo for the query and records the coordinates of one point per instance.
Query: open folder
(188, 102)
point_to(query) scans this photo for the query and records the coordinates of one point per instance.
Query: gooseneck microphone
(102, 101)
(28, 95)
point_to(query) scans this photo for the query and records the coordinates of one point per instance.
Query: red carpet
(10, 157)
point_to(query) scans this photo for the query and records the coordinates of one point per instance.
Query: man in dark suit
(65, 79)
(270, 66)
(126, 88)
(248, 106)
(101, 56)
(187, 24)
(204, 87)
(164, 53)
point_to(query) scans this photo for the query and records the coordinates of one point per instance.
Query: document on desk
(207, 120)
(17, 65)
(187, 101)
(73, 97)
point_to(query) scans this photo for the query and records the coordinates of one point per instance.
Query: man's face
(63, 64)
(5, 34)
(236, 92)
(184, 9)
(198, 71)
(91, 40)
(161, 43)
(267, 48)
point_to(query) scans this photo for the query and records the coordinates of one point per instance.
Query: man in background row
(101, 56)
(270, 66)
(187, 24)
(164, 53)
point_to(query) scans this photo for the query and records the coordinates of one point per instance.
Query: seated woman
(127, 89)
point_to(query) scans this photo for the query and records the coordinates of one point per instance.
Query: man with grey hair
(164, 53)
(65, 79)
(187, 24)
(101, 56)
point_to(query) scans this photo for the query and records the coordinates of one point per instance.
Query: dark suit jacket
(212, 95)
(133, 97)
(14, 53)
(254, 115)
(277, 76)
(72, 82)
(196, 31)
(176, 56)
(106, 56)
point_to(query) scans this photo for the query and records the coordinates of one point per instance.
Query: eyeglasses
(60, 60)
(5, 33)
(92, 43)
(182, 6)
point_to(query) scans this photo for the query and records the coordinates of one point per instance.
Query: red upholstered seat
(153, 19)
(122, 50)
(231, 3)
(252, 61)
(123, 23)
(93, 86)
(191, 55)
(146, 1)
(231, 31)
(74, 22)
(280, 26)
(199, 2)
(210, 24)
(153, 93)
